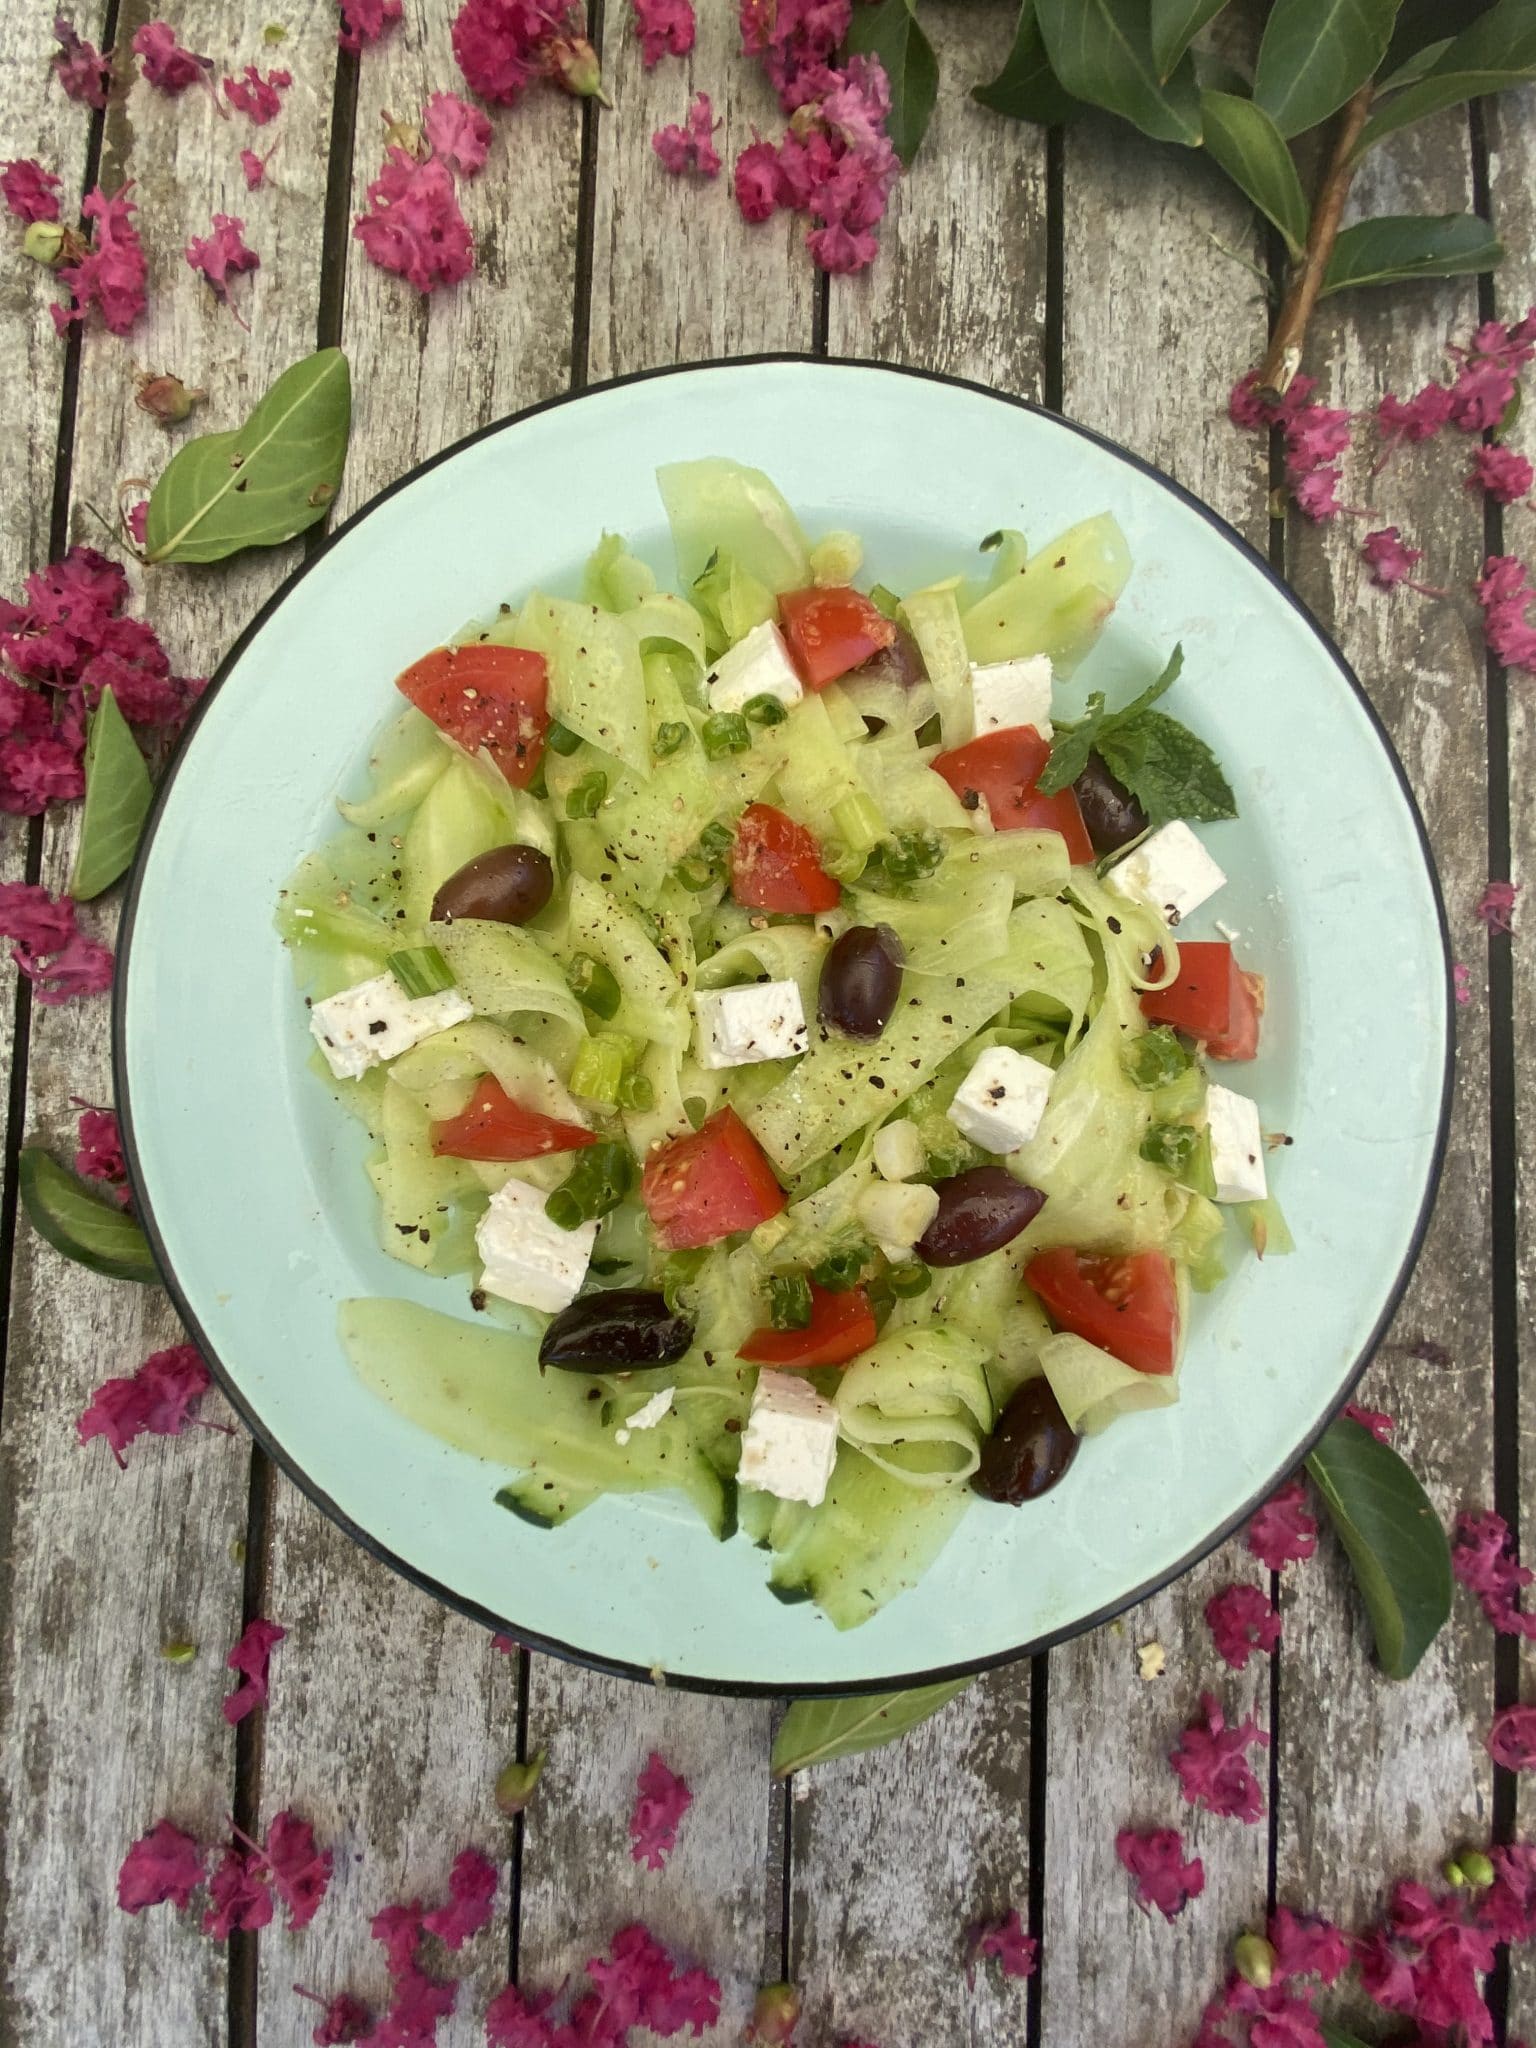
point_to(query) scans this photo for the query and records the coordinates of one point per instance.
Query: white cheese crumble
(739, 1026)
(646, 1417)
(1009, 693)
(377, 1020)
(758, 666)
(1237, 1146)
(999, 1104)
(527, 1258)
(1171, 870)
(789, 1445)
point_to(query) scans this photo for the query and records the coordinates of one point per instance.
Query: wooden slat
(1159, 320)
(1345, 1832)
(90, 1608)
(414, 1697)
(878, 1911)
(1511, 138)
(676, 276)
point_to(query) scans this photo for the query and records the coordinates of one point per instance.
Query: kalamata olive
(1110, 812)
(1029, 1450)
(980, 1211)
(901, 663)
(508, 885)
(620, 1327)
(860, 980)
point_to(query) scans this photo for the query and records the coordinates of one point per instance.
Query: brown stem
(1284, 358)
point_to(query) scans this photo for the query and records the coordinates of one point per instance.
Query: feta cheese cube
(1005, 693)
(898, 1151)
(897, 1212)
(789, 1445)
(1171, 870)
(999, 1104)
(1237, 1146)
(377, 1020)
(527, 1258)
(646, 1417)
(758, 666)
(740, 1026)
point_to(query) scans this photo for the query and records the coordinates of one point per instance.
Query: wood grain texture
(1159, 320)
(88, 1610)
(1425, 1781)
(411, 1697)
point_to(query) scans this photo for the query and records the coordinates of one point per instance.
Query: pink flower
(1461, 983)
(1155, 1859)
(1496, 906)
(1388, 558)
(1484, 1560)
(41, 767)
(260, 98)
(471, 1895)
(164, 1864)
(1480, 396)
(1004, 1940)
(250, 1657)
(344, 2020)
(1503, 473)
(757, 180)
(165, 64)
(1425, 1961)
(1504, 592)
(238, 1896)
(1317, 494)
(300, 1873)
(1415, 419)
(1241, 1620)
(1245, 407)
(29, 192)
(637, 1986)
(56, 957)
(366, 21)
(666, 28)
(1512, 1738)
(508, 1645)
(222, 255)
(1376, 1420)
(417, 2003)
(499, 44)
(1211, 1764)
(1283, 1531)
(398, 1930)
(111, 273)
(254, 167)
(515, 2019)
(662, 1798)
(796, 40)
(1307, 1945)
(840, 251)
(690, 148)
(1507, 1909)
(82, 70)
(458, 133)
(1315, 434)
(157, 1400)
(414, 227)
(100, 1154)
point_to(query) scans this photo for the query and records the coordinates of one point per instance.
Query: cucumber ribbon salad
(782, 1031)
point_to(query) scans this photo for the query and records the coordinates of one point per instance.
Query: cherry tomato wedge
(832, 631)
(485, 696)
(1212, 1000)
(841, 1326)
(1127, 1306)
(1004, 767)
(496, 1127)
(709, 1185)
(776, 864)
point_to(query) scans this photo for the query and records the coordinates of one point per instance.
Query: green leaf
(1497, 51)
(815, 1731)
(264, 482)
(117, 793)
(1076, 740)
(1415, 67)
(1393, 1538)
(82, 1225)
(1175, 24)
(1101, 50)
(1420, 22)
(890, 32)
(1256, 157)
(1026, 89)
(1405, 245)
(1510, 415)
(1170, 772)
(1315, 53)
(1336, 2037)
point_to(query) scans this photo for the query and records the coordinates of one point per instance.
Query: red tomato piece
(841, 1326)
(776, 864)
(1127, 1306)
(1004, 767)
(709, 1185)
(1212, 1000)
(496, 1127)
(832, 631)
(485, 696)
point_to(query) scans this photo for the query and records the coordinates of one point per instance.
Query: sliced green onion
(726, 732)
(585, 797)
(1156, 1059)
(421, 971)
(840, 1270)
(669, 737)
(789, 1301)
(602, 1176)
(909, 856)
(857, 821)
(1171, 1146)
(593, 986)
(765, 710)
(564, 1211)
(561, 740)
(716, 839)
(598, 1068)
(1198, 1172)
(695, 875)
(679, 1272)
(885, 601)
(910, 1279)
(636, 1092)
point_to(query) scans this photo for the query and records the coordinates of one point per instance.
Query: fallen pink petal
(459, 133)
(499, 44)
(258, 97)
(1210, 1762)
(661, 1800)
(397, 1929)
(343, 2021)
(666, 28)
(164, 1866)
(1284, 1530)
(238, 1898)
(222, 255)
(1241, 1620)
(1164, 1877)
(30, 193)
(1461, 983)
(112, 273)
(1512, 1738)
(163, 61)
(251, 1657)
(689, 147)
(1376, 1420)
(1495, 908)
(159, 1399)
(1483, 1559)
(413, 226)
(1504, 473)
(1004, 1942)
(82, 70)
(58, 958)
(300, 1873)
(471, 1897)
(365, 22)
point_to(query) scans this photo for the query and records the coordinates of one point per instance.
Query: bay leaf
(1175, 24)
(1026, 88)
(1497, 51)
(1257, 158)
(1101, 51)
(117, 796)
(1398, 246)
(89, 1228)
(815, 1731)
(890, 31)
(1315, 54)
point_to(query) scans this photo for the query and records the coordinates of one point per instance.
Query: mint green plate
(249, 1179)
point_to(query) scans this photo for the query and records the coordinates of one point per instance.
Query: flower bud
(45, 242)
(178, 1653)
(167, 399)
(514, 1786)
(404, 135)
(573, 64)
(1453, 1873)
(1254, 1960)
(775, 2015)
(1477, 1868)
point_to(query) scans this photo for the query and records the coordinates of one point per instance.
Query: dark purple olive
(1029, 1450)
(980, 1211)
(901, 663)
(622, 1327)
(1110, 812)
(508, 885)
(860, 981)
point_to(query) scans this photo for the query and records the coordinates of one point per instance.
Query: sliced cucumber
(870, 1539)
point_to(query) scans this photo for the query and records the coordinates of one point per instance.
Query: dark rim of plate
(894, 1681)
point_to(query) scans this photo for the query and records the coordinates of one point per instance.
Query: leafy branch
(1330, 80)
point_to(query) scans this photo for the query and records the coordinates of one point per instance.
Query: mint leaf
(1071, 748)
(1170, 773)
(1173, 668)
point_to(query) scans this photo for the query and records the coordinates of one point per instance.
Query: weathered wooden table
(1111, 280)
